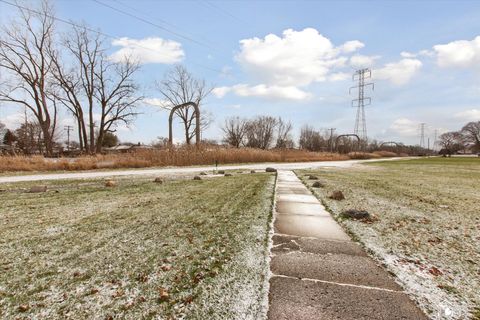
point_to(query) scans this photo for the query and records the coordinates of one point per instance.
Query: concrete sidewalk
(318, 272)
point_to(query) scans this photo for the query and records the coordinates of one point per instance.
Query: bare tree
(78, 81)
(178, 87)
(3, 129)
(29, 138)
(284, 137)
(471, 133)
(116, 93)
(310, 139)
(96, 87)
(234, 130)
(261, 132)
(451, 142)
(27, 53)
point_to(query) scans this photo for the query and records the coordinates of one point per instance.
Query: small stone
(252, 171)
(203, 173)
(197, 178)
(228, 175)
(110, 184)
(38, 189)
(337, 195)
(221, 171)
(23, 308)
(166, 267)
(317, 184)
(312, 177)
(270, 169)
(158, 180)
(355, 214)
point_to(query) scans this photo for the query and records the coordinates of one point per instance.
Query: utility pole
(360, 122)
(331, 138)
(435, 140)
(68, 129)
(422, 135)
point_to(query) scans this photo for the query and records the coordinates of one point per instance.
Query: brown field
(184, 156)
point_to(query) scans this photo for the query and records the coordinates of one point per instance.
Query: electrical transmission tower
(68, 129)
(422, 135)
(330, 142)
(360, 123)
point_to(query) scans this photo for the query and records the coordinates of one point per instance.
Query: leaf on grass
(435, 271)
(164, 296)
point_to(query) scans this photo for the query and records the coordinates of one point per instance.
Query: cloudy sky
(296, 59)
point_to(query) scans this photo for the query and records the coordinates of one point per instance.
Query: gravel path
(174, 170)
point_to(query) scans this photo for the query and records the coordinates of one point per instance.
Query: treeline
(265, 132)
(468, 138)
(48, 73)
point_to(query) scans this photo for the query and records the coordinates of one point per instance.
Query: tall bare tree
(284, 134)
(178, 87)
(471, 133)
(27, 53)
(234, 131)
(451, 142)
(96, 89)
(77, 82)
(261, 132)
(116, 94)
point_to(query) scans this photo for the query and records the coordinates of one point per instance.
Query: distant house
(127, 148)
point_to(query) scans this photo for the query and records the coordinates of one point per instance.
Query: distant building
(127, 148)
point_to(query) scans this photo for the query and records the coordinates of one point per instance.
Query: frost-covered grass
(428, 228)
(183, 249)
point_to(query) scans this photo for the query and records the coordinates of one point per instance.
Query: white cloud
(406, 54)
(352, 46)
(297, 58)
(361, 61)
(156, 102)
(468, 115)
(398, 73)
(13, 120)
(339, 76)
(461, 53)
(148, 50)
(220, 92)
(264, 91)
(404, 127)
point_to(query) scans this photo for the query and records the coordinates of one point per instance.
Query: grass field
(183, 249)
(428, 227)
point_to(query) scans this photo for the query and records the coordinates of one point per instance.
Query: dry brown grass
(183, 156)
(363, 155)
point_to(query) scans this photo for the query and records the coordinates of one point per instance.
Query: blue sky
(294, 59)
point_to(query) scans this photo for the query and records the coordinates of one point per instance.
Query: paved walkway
(318, 272)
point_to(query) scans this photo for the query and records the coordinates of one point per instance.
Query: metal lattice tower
(422, 135)
(360, 122)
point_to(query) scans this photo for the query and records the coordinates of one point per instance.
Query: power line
(152, 23)
(95, 31)
(223, 11)
(158, 19)
(68, 129)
